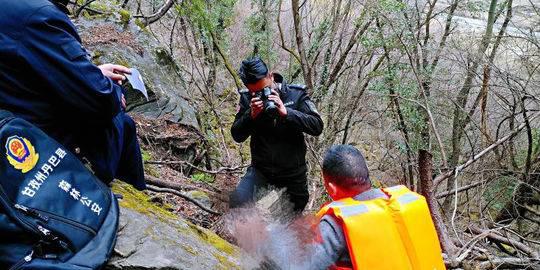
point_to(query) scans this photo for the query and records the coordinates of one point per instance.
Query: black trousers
(114, 152)
(253, 181)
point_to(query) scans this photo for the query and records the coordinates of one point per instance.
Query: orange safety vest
(389, 234)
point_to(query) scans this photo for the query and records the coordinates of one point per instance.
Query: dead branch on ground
(494, 236)
(181, 162)
(177, 186)
(184, 196)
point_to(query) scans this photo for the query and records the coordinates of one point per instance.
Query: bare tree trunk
(522, 195)
(425, 169)
(306, 69)
(459, 120)
(487, 74)
(226, 61)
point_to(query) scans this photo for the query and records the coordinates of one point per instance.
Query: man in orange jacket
(345, 175)
(368, 228)
(362, 228)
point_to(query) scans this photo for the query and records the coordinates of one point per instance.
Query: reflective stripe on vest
(394, 233)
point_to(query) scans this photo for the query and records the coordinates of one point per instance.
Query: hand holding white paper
(136, 81)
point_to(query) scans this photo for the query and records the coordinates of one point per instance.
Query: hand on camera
(282, 110)
(257, 107)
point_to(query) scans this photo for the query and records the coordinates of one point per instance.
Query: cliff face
(111, 41)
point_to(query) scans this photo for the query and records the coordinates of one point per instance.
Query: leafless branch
(491, 234)
(181, 162)
(184, 196)
(147, 20)
(475, 158)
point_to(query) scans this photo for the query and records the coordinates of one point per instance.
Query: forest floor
(172, 154)
(166, 149)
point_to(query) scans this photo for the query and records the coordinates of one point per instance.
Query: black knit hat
(252, 70)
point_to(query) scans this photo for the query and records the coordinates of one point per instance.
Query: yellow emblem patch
(21, 153)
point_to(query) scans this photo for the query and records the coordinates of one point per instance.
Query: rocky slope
(150, 237)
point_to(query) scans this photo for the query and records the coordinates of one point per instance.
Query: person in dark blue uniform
(278, 149)
(47, 79)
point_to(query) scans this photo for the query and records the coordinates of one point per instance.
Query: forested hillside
(440, 96)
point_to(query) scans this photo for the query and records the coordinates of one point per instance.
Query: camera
(269, 106)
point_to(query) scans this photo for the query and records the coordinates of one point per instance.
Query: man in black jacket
(278, 149)
(46, 78)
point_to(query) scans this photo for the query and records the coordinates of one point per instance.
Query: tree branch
(280, 30)
(461, 189)
(174, 185)
(505, 240)
(179, 162)
(158, 14)
(475, 158)
(184, 196)
(226, 61)
(306, 69)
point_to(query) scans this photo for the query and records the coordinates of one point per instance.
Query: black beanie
(252, 70)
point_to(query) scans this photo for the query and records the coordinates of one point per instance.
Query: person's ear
(332, 189)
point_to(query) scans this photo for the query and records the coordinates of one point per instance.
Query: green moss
(140, 202)
(99, 6)
(140, 24)
(121, 61)
(146, 155)
(148, 168)
(197, 194)
(202, 177)
(189, 249)
(213, 239)
(96, 55)
(225, 263)
(125, 16)
(106, 11)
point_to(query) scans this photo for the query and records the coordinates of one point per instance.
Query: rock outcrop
(150, 237)
(110, 41)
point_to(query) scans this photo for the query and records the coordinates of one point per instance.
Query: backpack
(54, 213)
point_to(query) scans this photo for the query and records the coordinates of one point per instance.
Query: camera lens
(267, 91)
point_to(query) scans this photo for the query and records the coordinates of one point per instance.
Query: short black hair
(62, 5)
(252, 70)
(346, 167)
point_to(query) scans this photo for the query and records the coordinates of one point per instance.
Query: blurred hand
(114, 72)
(256, 107)
(282, 110)
(251, 234)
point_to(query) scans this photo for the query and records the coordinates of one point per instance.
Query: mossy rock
(150, 237)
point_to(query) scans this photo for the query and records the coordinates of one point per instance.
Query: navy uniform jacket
(47, 79)
(278, 149)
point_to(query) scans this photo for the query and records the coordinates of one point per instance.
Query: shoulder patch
(312, 106)
(302, 87)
